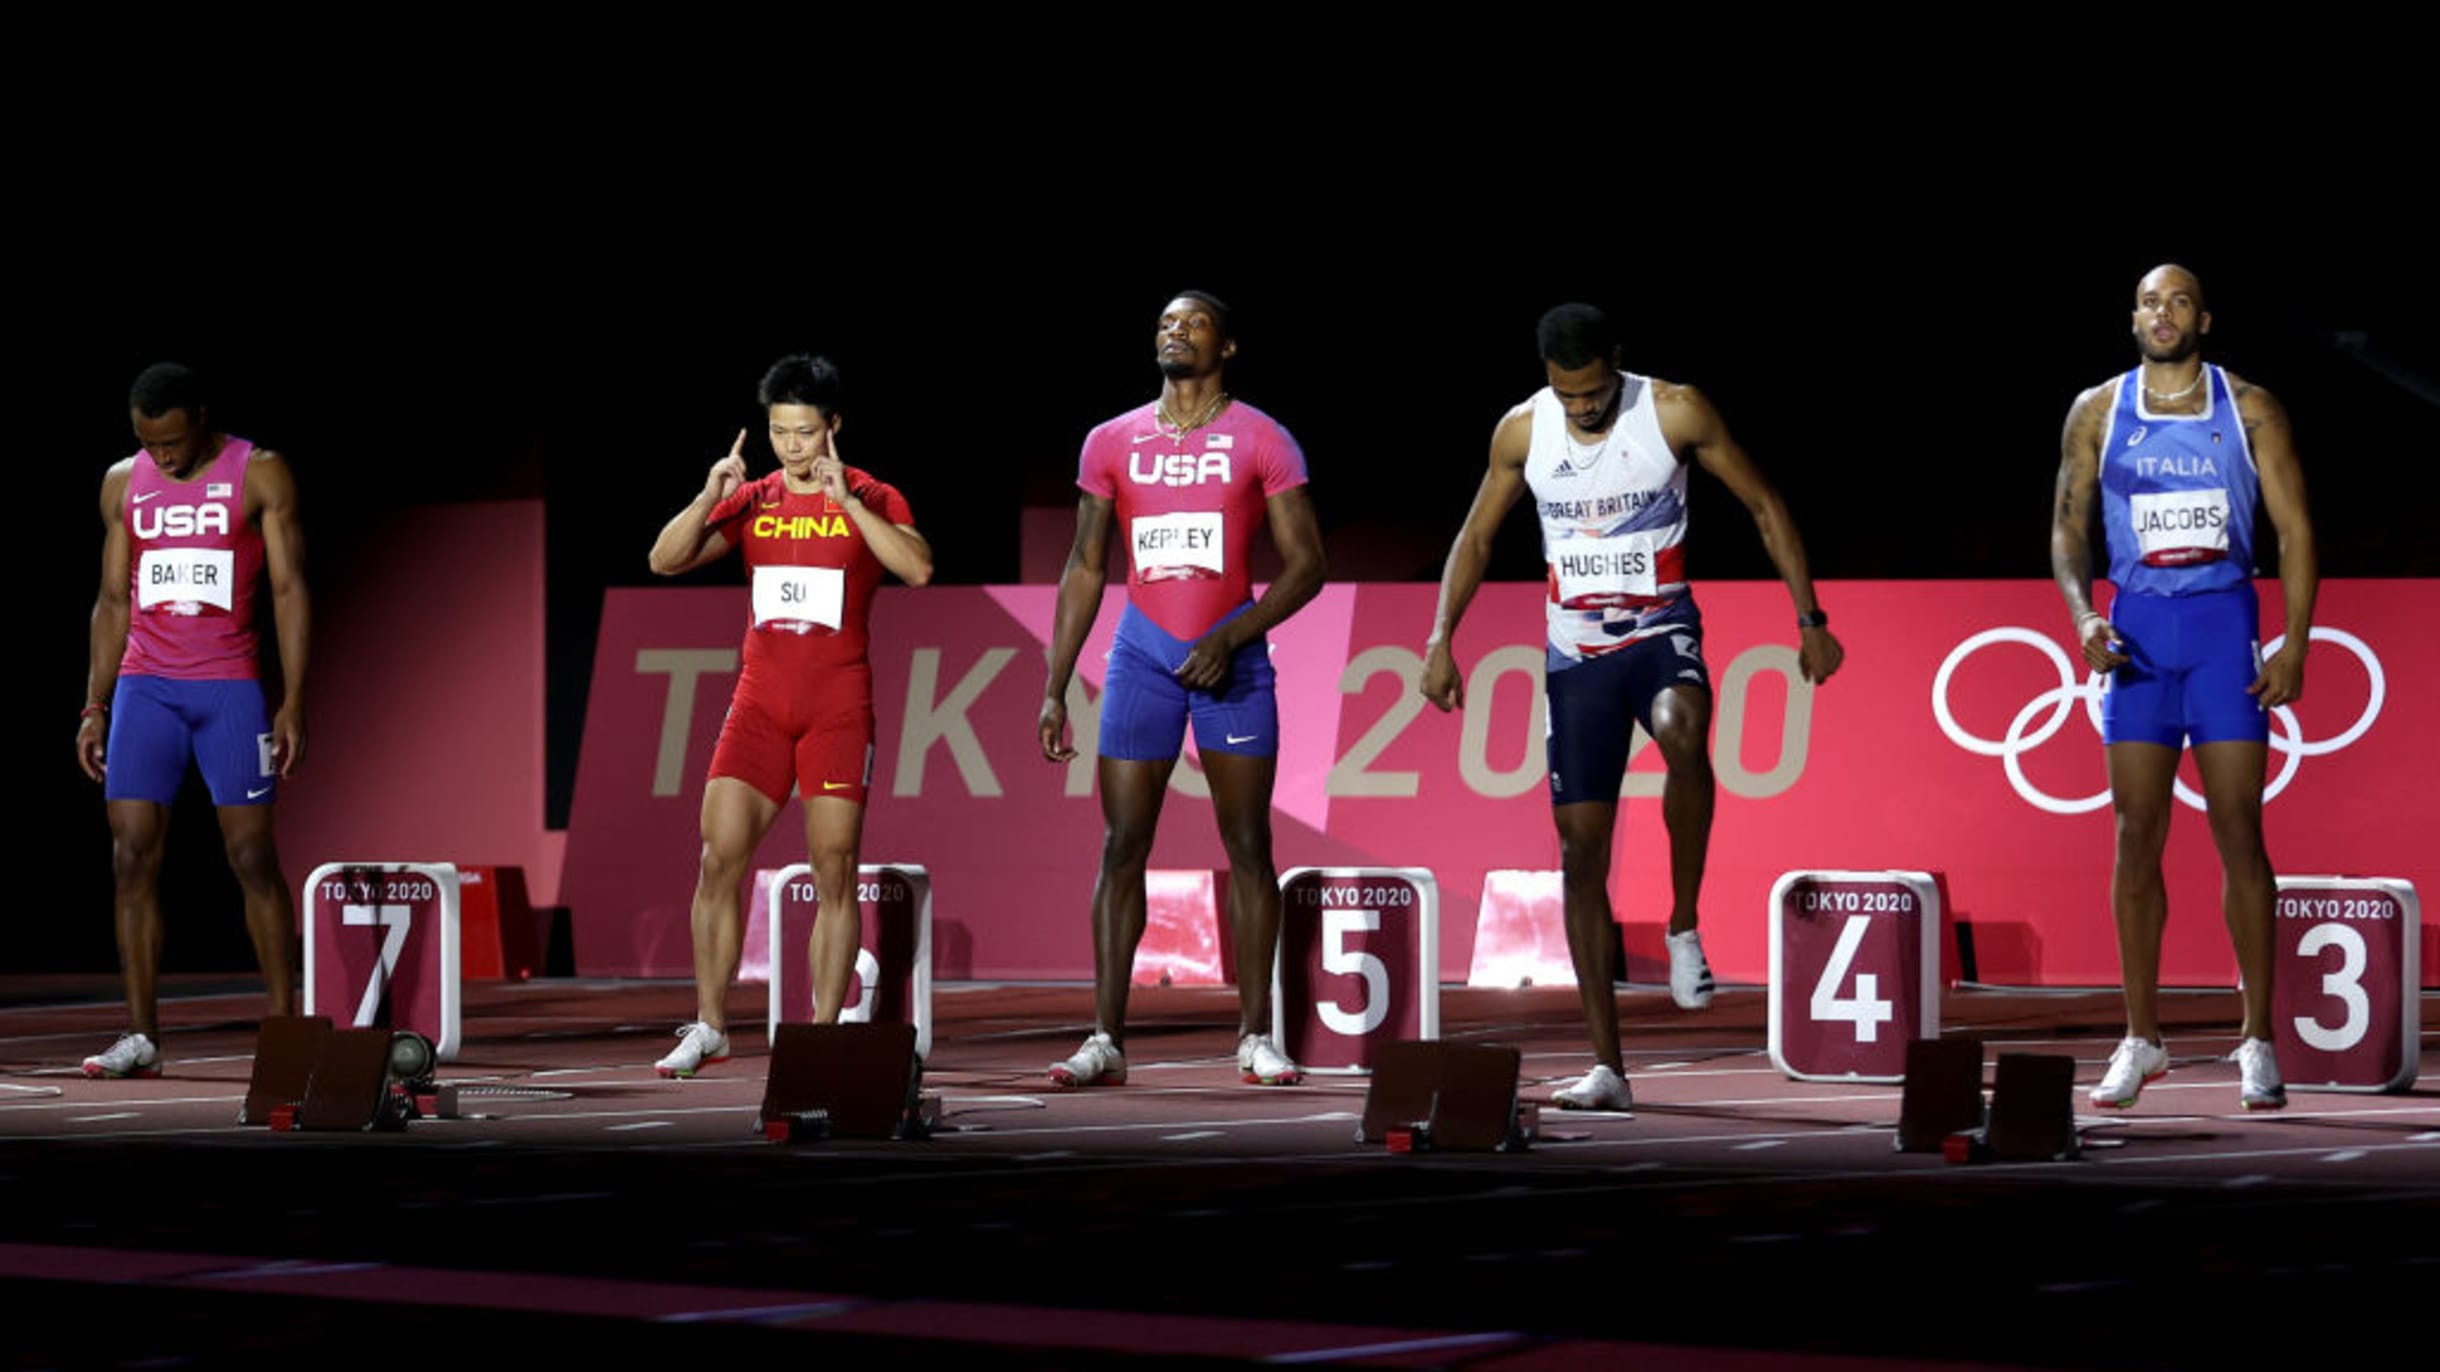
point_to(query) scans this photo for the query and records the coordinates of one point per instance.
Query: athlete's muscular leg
(735, 818)
(1584, 870)
(271, 915)
(2141, 775)
(1241, 802)
(1131, 793)
(834, 830)
(1681, 718)
(138, 831)
(2232, 786)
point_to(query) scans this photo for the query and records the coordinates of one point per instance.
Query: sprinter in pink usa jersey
(1186, 480)
(193, 524)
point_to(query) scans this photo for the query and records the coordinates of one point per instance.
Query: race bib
(1176, 547)
(185, 579)
(798, 595)
(1618, 570)
(2176, 528)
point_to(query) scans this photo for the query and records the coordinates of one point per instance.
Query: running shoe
(2138, 1063)
(2258, 1075)
(699, 1045)
(1098, 1063)
(134, 1056)
(1264, 1065)
(1600, 1089)
(1690, 983)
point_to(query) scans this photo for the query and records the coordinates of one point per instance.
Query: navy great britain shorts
(1596, 703)
(157, 723)
(1144, 708)
(2190, 659)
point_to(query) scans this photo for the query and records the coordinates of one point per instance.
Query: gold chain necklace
(2180, 395)
(1179, 428)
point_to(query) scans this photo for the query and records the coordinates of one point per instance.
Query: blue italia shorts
(157, 724)
(2190, 658)
(1145, 710)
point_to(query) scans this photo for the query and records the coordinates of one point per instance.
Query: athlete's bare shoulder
(114, 487)
(2090, 410)
(1686, 415)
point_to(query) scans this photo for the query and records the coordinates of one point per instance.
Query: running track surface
(1734, 1219)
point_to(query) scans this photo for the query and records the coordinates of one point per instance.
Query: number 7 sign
(1855, 972)
(381, 947)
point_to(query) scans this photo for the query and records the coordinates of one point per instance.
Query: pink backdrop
(1862, 773)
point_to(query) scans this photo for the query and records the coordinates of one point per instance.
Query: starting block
(382, 948)
(2346, 1009)
(861, 1081)
(1359, 960)
(1186, 930)
(893, 977)
(1461, 1097)
(1520, 934)
(1862, 949)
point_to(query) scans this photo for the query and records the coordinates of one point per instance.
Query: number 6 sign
(2345, 1009)
(1855, 972)
(381, 947)
(1359, 963)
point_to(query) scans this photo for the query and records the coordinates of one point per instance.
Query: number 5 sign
(381, 947)
(1855, 972)
(2345, 1007)
(1359, 963)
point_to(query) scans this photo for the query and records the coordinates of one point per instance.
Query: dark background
(438, 301)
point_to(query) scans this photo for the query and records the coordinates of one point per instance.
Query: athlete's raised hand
(1052, 726)
(728, 473)
(830, 473)
(2282, 677)
(2100, 639)
(1440, 684)
(92, 739)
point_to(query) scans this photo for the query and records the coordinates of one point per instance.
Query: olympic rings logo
(2024, 734)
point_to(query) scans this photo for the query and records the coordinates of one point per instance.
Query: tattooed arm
(2071, 524)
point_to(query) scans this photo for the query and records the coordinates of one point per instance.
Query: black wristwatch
(1813, 619)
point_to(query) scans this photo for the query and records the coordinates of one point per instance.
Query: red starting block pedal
(283, 1118)
(1966, 1147)
(799, 1126)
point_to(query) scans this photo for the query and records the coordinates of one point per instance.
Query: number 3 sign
(1855, 972)
(2345, 1008)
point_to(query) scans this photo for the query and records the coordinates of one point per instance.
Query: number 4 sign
(2345, 1009)
(381, 947)
(1855, 972)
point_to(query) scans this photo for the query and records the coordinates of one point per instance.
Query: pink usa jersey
(193, 562)
(1188, 505)
(1613, 525)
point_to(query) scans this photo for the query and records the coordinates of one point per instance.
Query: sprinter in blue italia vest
(2183, 454)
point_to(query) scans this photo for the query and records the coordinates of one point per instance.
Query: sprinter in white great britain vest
(1604, 453)
(2180, 454)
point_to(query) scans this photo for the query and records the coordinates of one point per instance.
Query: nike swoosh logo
(146, 496)
(1249, 738)
(252, 794)
(836, 785)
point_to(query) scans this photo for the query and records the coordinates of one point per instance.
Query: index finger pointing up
(738, 448)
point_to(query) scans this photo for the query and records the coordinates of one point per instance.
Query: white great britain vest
(1613, 526)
